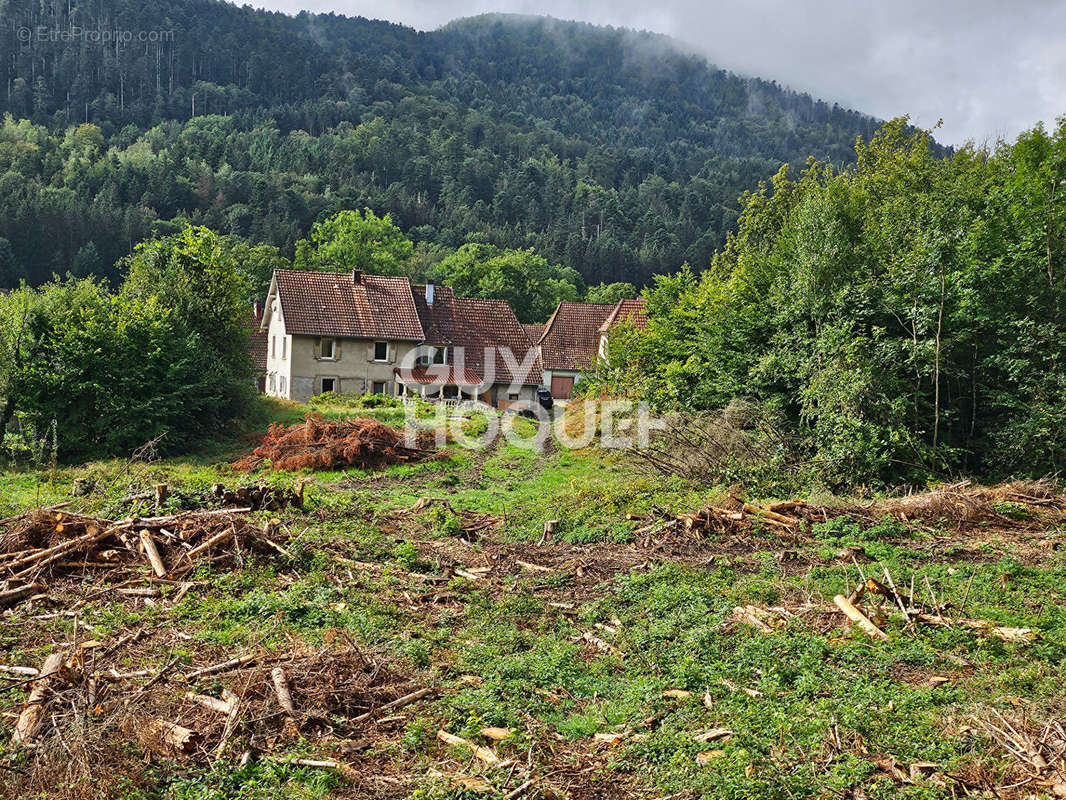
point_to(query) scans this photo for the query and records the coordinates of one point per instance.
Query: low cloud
(987, 69)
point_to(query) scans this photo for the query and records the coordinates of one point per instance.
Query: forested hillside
(605, 150)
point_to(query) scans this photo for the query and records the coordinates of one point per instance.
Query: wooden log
(233, 663)
(852, 612)
(216, 539)
(17, 670)
(160, 495)
(50, 554)
(549, 529)
(207, 701)
(790, 522)
(281, 689)
(231, 720)
(29, 721)
(14, 595)
(153, 554)
(482, 753)
(182, 739)
(399, 702)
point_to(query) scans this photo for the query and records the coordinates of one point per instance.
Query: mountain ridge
(606, 149)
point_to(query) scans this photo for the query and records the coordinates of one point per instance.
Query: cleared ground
(608, 660)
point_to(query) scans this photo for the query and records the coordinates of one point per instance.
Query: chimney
(357, 276)
(429, 293)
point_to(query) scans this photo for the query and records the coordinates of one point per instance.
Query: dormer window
(328, 349)
(381, 351)
(440, 355)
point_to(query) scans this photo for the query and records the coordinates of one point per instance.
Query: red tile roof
(635, 312)
(340, 304)
(572, 336)
(533, 330)
(439, 373)
(474, 324)
(257, 342)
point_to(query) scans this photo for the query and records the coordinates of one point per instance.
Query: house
(356, 334)
(337, 332)
(473, 349)
(533, 331)
(257, 346)
(630, 312)
(570, 343)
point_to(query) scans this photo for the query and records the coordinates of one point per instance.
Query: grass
(814, 708)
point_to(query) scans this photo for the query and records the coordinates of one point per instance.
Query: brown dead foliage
(45, 544)
(317, 444)
(105, 728)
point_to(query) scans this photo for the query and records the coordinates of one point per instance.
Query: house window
(273, 346)
(329, 349)
(440, 355)
(513, 396)
(381, 351)
(284, 348)
(379, 386)
(270, 383)
(282, 388)
(329, 385)
(451, 391)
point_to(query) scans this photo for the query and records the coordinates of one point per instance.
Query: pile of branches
(252, 498)
(317, 444)
(738, 518)
(1026, 505)
(717, 447)
(86, 719)
(41, 545)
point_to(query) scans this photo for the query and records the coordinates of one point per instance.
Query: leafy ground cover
(607, 660)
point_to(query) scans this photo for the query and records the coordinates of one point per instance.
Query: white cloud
(988, 68)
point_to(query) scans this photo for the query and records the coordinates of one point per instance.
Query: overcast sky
(988, 68)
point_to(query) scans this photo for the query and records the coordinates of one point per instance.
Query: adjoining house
(570, 343)
(473, 349)
(257, 346)
(337, 332)
(630, 312)
(577, 334)
(533, 331)
(356, 334)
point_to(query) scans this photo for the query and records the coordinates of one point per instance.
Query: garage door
(562, 386)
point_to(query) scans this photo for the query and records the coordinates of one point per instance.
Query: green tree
(611, 293)
(352, 241)
(531, 285)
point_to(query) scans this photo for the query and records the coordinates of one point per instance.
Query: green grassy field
(613, 656)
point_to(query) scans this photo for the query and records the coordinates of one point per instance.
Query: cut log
(233, 663)
(216, 539)
(482, 753)
(852, 612)
(47, 556)
(399, 702)
(160, 495)
(17, 670)
(207, 701)
(773, 516)
(11, 596)
(153, 554)
(527, 565)
(178, 737)
(281, 689)
(29, 721)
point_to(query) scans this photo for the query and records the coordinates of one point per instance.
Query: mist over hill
(608, 150)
